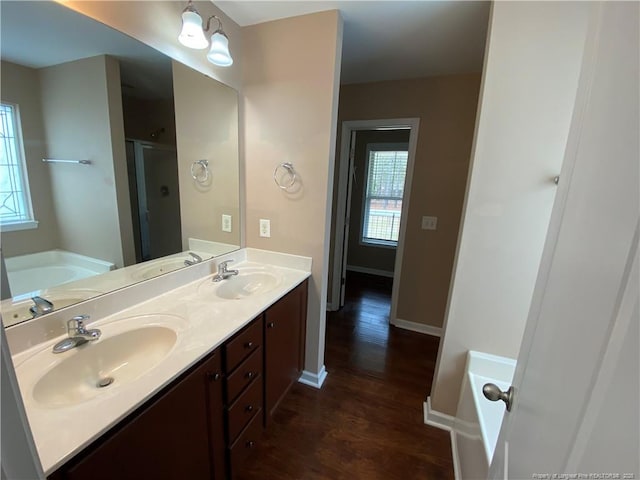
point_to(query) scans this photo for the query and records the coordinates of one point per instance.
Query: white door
(575, 407)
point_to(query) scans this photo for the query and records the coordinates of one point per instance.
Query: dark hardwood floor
(367, 420)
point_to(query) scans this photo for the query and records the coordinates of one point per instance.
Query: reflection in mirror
(120, 126)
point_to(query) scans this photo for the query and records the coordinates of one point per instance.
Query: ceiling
(390, 39)
(40, 34)
(383, 40)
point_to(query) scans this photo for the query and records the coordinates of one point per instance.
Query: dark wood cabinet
(179, 434)
(244, 395)
(206, 422)
(285, 330)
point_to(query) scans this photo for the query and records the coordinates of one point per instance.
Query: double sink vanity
(183, 378)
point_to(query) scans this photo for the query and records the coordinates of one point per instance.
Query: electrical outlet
(265, 227)
(226, 223)
(429, 223)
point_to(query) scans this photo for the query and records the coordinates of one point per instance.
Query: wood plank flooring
(367, 420)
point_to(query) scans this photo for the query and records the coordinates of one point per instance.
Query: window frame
(380, 147)
(30, 222)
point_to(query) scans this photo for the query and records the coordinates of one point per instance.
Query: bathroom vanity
(196, 374)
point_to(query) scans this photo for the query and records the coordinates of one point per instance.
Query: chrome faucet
(78, 334)
(223, 273)
(42, 306)
(195, 258)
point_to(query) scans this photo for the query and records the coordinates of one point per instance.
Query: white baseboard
(417, 327)
(454, 455)
(332, 306)
(314, 380)
(437, 419)
(445, 422)
(370, 271)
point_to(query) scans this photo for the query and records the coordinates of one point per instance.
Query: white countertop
(202, 322)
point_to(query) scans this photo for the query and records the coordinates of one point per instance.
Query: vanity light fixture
(192, 36)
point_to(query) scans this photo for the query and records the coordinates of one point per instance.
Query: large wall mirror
(118, 163)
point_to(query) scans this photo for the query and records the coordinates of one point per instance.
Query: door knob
(492, 392)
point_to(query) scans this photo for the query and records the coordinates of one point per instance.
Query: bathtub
(36, 271)
(478, 420)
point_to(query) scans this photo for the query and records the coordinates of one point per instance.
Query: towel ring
(200, 171)
(290, 172)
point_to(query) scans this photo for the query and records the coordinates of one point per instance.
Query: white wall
(532, 64)
(19, 455)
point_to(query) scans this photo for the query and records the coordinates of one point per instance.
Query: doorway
(155, 199)
(380, 208)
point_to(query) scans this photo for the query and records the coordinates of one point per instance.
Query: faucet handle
(41, 306)
(77, 322)
(223, 265)
(42, 302)
(195, 256)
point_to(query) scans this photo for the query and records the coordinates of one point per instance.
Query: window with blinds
(15, 203)
(384, 190)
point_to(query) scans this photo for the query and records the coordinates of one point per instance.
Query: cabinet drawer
(242, 376)
(245, 343)
(248, 405)
(245, 443)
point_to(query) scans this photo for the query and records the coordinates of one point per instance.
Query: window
(384, 189)
(15, 202)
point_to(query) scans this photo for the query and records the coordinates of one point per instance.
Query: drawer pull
(249, 408)
(250, 375)
(271, 325)
(248, 345)
(251, 444)
(213, 376)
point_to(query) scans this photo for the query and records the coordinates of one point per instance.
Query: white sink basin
(153, 268)
(158, 268)
(128, 349)
(109, 362)
(249, 282)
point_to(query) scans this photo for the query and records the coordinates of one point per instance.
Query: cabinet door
(284, 346)
(215, 415)
(171, 438)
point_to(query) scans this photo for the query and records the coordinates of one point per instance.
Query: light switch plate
(429, 223)
(226, 223)
(265, 227)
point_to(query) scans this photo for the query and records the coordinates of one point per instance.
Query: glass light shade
(219, 52)
(192, 35)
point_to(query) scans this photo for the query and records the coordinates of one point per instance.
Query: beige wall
(206, 115)
(291, 74)
(532, 65)
(20, 85)
(158, 23)
(76, 104)
(446, 106)
(119, 155)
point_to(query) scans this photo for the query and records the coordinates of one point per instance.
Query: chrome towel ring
(286, 179)
(200, 171)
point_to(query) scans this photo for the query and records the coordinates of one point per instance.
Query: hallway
(367, 420)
